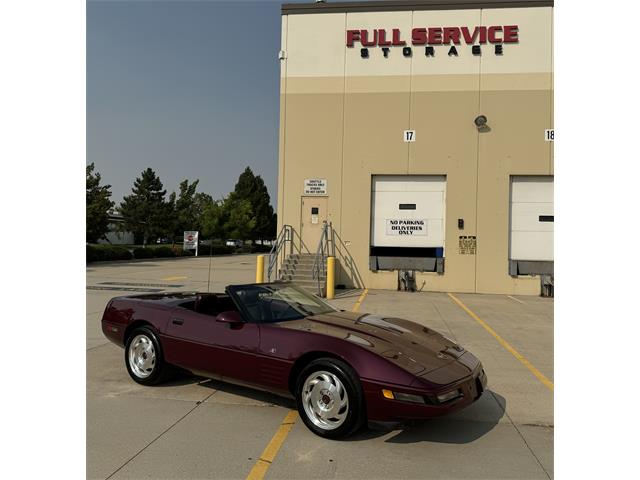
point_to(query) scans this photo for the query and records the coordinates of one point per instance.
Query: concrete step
(293, 261)
(298, 268)
(304, 269)
(302, 278)
(308, 267)
(301, 258)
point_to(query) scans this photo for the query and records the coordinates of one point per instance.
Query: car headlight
(445, 397)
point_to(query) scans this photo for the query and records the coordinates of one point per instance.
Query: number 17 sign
(409, 136)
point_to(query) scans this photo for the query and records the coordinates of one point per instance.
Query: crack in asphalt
(539, 425)
(198, 403)
(98, 346)
(504, 410)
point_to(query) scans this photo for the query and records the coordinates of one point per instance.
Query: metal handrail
(346, 260)
(326, 248)
(279, 250)
(288, 242)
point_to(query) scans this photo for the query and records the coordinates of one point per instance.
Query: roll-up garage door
(531, 236)
(407, 222)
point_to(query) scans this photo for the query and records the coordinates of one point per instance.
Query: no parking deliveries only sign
(406, 226)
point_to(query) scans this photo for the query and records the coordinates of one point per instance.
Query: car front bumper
(381, 409)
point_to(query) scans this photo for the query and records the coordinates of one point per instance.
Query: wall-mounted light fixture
(480, 121)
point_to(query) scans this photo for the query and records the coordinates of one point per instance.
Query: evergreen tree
(252, 188)
(145, 212)
(242, 220)
(188, 208)
(231, 217)
(214, 220)
(201, 201)
(98, 206)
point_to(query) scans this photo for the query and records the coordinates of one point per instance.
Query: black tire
(154, 372)
(355, 411)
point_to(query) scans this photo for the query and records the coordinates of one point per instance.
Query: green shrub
(260, 248)
(164, 251)
(217, 250)
(142, 253)
(102, 253)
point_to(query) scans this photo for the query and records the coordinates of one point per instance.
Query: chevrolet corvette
(343, 369)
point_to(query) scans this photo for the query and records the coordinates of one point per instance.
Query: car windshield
(270, 303)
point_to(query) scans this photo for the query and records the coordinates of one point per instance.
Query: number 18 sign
(548, 135)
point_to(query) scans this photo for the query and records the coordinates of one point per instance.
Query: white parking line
(517, 300)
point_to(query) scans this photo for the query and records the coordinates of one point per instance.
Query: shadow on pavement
(461, 427)
(348, 293)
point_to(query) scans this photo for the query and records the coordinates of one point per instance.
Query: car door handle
(177, 321)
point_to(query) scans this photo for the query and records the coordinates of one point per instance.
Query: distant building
(115, 236)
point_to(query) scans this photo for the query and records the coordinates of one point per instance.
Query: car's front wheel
(330, 399)
(144, 359)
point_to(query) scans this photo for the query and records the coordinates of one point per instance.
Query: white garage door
(408, 210)
(532, 218)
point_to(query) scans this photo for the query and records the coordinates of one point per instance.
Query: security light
(480, 121)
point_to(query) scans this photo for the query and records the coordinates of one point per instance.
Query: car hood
(412, 346)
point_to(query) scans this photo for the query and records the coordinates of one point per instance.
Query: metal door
(314, 214)
(532, 218)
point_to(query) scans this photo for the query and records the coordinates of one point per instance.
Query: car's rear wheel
(330, 399)
(144, 359)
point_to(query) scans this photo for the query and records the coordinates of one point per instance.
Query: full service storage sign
(405, 226)
(315, 186)
(476, 39)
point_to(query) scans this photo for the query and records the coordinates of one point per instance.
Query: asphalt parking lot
(196, 428)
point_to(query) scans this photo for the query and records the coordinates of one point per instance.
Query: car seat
(207, 304)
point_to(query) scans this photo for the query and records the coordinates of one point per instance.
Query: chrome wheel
(142, 356)
(325, 400)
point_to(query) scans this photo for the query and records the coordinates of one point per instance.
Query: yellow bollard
(331, 277)
(260, 269)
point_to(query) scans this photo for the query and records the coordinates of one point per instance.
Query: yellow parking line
(545, 381)
(269, 454)
(516, 299)
(168, 279)
(356, 307)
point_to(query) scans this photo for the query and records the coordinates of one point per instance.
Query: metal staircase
(291, 261)
(299, 268)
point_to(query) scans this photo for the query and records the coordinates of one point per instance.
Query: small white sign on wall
(548, 135)
(315, 186)
(409, 136)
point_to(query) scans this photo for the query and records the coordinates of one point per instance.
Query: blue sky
(188, 88)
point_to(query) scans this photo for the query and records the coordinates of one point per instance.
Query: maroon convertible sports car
(343, 368)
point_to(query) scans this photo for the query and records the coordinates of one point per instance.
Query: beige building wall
(342, 119)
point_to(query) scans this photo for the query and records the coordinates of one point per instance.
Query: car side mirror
(232, 318)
